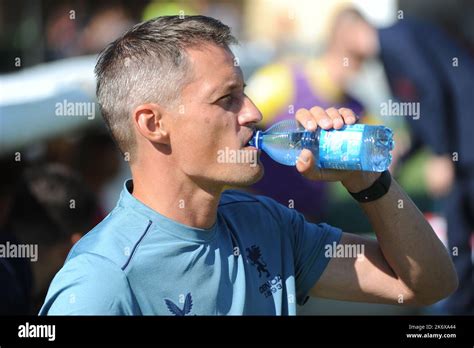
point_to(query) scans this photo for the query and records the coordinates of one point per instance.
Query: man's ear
(148, 119)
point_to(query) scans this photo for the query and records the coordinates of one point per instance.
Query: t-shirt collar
(165, 224)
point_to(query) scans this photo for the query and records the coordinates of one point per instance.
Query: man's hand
(331, 118)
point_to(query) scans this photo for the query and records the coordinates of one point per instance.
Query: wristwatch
(379, 188)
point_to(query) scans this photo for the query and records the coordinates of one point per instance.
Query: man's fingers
(348, 115)
(337, 120)
(304, 117)
(326, 119)
(321, 117)
(305, 162)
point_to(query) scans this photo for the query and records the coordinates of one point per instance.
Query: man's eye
(226, 100)
(226, 97)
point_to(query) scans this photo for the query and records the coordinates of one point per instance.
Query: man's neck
(179, 199)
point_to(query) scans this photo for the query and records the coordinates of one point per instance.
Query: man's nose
(249, 113)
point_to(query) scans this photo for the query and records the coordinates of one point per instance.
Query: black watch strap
(379, 188)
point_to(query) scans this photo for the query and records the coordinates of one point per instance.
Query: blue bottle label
(341, 149)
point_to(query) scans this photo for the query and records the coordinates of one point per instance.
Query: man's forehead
(210, 53)
(214, 67)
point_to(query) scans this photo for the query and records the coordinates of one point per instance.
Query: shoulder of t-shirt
(115, 238)
(89, 284)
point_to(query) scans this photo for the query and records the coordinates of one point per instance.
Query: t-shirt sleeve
(89, 284)
(309, 243)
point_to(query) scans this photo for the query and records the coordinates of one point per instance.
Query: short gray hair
(149, 64)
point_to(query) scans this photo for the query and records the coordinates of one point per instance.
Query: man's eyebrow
(235, 84)
(226, 88)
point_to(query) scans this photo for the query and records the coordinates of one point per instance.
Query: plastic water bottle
(353, 147)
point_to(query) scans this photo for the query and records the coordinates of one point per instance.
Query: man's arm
(407, 264)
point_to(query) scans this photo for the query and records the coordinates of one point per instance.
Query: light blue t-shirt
(259, 258)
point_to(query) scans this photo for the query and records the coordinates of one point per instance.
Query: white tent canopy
(46, 100)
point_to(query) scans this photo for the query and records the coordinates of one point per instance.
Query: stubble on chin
(244, 177)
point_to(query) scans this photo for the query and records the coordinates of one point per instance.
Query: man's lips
(246, 143)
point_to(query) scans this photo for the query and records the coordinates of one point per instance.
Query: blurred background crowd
(61, 173)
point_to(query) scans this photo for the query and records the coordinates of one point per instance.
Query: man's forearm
(408, 242)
